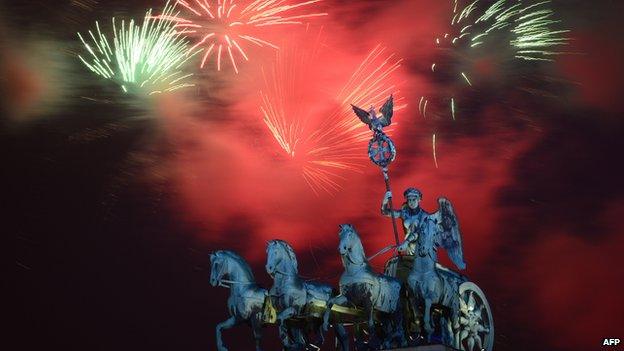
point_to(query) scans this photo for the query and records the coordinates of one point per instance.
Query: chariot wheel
(476, 326)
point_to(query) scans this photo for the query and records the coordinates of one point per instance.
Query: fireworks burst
(532, 36)
(148, 56)
(502, 31)
(336, 143)
(282, 96)
(339, 143)
(222, 28)
(502, 39)
(286, 84)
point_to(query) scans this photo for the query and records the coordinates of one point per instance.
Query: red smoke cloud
(26, 86)
(237, 168)
(596, 69)
(568, 285)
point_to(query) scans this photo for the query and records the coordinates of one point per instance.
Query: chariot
(475, 322)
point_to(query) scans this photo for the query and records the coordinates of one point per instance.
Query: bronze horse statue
(246, 301)
(376, 294)
(428, 286)
(293, 297)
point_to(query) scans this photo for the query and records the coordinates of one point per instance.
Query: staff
(381, 150)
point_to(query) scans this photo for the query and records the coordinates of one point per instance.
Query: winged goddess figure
(441, 228)
(376, 122)
(425, 233)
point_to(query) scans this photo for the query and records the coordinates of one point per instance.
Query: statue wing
(448, 235)
(362, 115)
(386, 110)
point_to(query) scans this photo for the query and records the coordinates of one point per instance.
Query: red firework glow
(336, 143)
(223, 27)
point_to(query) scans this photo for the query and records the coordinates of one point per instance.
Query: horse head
(218, 267)
(281, 258)
(426, 239)
(227, 265)
(350, 246)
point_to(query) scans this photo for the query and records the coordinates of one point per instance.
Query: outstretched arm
(385, 207)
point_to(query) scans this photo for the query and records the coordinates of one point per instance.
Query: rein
(307, 278)
(226, 281)
(277, 271)
(381, 252)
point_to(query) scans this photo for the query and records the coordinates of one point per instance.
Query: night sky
(115, 201)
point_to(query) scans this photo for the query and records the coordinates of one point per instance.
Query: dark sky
(115, 201)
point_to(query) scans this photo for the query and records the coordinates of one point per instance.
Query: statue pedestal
(426, 348)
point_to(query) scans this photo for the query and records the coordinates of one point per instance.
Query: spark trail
(222, 27)
(501, 31)
(328, 146)
(509, 36)
(146, 58)
(339, 143)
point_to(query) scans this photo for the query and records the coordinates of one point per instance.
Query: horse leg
(388, 334)
(360, 335)
(342, 336)
(283, 331)
(394, 334)
(229, 323)
(300, 342)
(256, 327)
(336, 300)
(320, 337)
(427, 322)
(399, 331)
(447, 330)
(454, 323)
(373, 339)
(412, 320)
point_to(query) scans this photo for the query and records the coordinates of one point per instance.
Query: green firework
(531, 30)
(148, 56)
(506, 36)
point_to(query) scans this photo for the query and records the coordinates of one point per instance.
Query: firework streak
(532, 36)
(505, 29)
(508, 34)
(336, 143)
(221, 27)
(148, 57)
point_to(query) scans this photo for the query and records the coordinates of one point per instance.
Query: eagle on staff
(374, 121)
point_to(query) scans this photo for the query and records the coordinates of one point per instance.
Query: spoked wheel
(381, 150)
(476, 326)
